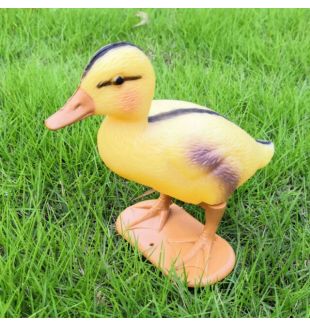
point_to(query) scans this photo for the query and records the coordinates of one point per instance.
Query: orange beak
(78, 107)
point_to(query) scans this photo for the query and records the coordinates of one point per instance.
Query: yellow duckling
(180, 149)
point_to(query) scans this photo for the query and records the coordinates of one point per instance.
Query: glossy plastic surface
(180, 149)
(168, 248)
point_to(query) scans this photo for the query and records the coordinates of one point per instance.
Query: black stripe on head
(104, 50)
(179, 112)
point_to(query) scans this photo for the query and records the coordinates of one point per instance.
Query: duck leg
(161, 208)
(203, 245)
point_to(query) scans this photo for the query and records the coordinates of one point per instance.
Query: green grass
(59, 252)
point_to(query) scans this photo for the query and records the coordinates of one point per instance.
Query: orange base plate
(166, 248)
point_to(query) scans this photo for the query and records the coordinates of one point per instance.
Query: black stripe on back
(102, 52)
(263, 141)
(179, 112)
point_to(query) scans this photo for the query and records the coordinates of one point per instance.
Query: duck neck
(118, 139)
(133, 122)
(132, 126)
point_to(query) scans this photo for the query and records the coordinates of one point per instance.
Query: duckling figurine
(180, 149)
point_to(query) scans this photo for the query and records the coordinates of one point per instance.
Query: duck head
(119, 82)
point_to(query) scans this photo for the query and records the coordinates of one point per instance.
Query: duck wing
(193, 144)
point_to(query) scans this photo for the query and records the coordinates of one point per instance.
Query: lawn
(60, 255)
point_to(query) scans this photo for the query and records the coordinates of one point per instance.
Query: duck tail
(267, 151)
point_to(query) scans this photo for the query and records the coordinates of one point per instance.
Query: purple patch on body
(212, 161)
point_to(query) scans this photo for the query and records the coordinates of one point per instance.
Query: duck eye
(118, 80)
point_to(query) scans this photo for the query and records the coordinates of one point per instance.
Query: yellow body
(158, 154)
(155, 154)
